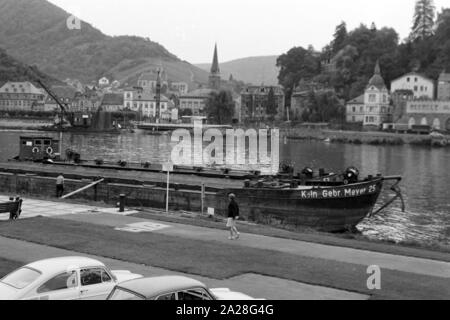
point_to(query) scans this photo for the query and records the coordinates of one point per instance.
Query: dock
(160, 127)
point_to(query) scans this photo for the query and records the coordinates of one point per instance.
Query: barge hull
(288, 207)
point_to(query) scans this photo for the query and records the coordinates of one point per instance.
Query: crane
(63, 111)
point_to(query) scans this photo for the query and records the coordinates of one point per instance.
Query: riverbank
(359, 137)
(434, 251)
(203, 251)
(23, 124)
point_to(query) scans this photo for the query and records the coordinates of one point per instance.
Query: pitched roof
(412, 74)
(23, 87)
(201, 93)
(112, 99)
(357, 100)
(444, 77)
(259, 90)
(147, 96)
(65, 93)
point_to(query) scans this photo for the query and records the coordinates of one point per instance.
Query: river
(426, 172)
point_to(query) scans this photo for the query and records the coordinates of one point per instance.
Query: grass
(215, 260)
(7, 266)
(433, 251)
(355, 241)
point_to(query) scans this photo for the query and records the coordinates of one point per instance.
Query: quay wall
(137, 195)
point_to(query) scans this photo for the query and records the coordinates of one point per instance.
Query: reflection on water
(425, 186)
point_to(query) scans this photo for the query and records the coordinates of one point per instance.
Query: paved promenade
(252, 284)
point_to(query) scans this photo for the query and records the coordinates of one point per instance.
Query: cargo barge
(325, 201)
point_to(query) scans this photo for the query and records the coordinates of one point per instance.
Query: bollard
(122, 203)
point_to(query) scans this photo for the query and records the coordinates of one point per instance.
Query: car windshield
(119, 294)
(21, 278)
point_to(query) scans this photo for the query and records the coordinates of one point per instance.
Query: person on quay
(233, 216)
(60, 186)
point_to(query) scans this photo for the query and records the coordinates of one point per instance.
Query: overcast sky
(241, 28)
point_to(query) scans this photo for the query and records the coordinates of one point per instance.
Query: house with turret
(373, 109)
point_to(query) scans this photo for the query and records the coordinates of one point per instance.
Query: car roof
(152, 287)
(61, 264)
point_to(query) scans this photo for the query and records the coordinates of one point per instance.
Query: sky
(241, 28)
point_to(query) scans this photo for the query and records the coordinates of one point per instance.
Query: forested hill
(352, 55)
(36, 32)
(14, 70)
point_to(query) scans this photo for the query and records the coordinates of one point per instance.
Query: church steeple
(215, 64)
(377, 68)
(377, 80)
(214, 76)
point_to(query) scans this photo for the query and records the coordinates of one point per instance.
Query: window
(167, 297)
(354, 109)
(416, 88)
(120, 294)
(21, 278)
(61, 282)
(408, 79)
(91, 277)
(193, 295)
(372, 98)
(415, 79)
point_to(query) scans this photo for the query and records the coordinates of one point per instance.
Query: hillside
(14, 70)
(36, 32)
(254, 70)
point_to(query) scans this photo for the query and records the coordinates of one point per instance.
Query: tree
(340, 36)
(423, 24)
(294, 65)
(220, 107)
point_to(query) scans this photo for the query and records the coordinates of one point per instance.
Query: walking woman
(233, 215)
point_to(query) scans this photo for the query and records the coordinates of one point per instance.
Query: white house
(145, 102)
(421, 86)
(377, 101)
(373, 108)
(22, 96)
(355, 110)
(103, 81)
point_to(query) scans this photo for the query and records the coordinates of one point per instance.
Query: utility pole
(158, 96)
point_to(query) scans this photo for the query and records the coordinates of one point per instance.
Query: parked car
(68, 278)
(171, 288)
